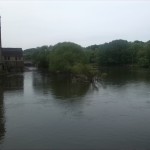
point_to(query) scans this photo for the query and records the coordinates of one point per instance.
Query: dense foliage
(63, 57)
(121, 52)
(70, 57)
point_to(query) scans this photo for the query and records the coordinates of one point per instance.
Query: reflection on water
(12, 82)
(2, 119)
(119, 76)
(40, 111)
(60, 86)
(61, 91)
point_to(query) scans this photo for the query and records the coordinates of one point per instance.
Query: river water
(38, 111)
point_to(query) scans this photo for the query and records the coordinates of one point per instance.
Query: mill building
(11, 59)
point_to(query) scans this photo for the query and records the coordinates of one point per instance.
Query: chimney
(0, 44)
(0, 34)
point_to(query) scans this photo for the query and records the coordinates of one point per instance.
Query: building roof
(15, 52)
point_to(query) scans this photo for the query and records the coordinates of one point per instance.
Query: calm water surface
(38, 111)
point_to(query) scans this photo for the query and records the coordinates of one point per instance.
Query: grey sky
(33, 23)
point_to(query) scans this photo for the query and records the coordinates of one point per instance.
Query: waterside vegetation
(64, 58)
(83, 62)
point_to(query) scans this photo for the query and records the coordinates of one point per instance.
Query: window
(6, 58)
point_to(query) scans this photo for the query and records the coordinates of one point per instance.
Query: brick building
(11, 59)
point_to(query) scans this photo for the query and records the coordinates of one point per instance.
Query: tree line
(73, 58)
(121, 52)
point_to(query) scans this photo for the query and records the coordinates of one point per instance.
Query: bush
(64, 56)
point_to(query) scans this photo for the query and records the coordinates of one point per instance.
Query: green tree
(143, 55)
(114, 53)
(64, 56)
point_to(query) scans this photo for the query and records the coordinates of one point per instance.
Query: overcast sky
(34, 23)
